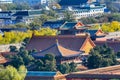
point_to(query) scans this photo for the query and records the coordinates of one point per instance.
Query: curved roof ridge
(52, 46)
(57, 43)
(67, 52)
(60, 36)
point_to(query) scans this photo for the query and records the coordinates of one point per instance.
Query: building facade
(6, 1)
(31, 2)
(13, 17)
(85, 11)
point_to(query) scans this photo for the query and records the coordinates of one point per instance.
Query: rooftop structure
(71, 42)
(72, 28)
(65, 48)
(53, 24)
(96, 34)
(105, 73)
(13, 17)
(44, 75)
(72, 2)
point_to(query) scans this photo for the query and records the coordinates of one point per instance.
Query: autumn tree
(112, 27)
(11, 73)
(45, 32)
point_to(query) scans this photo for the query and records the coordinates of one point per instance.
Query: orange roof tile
(2, 59)
(58, 51)
(71, 42)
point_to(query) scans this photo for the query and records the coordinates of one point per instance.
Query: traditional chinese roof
(92, 32)
(58, 51)
(66, 42)
(115, 45)
(72, 25)
(53, 24)
(95, 32)
(71, 2)
(43, 73)
(2, 59)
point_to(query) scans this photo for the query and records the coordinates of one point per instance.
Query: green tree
(89, 20)
(22, 6)
(39, 65)
(26, 56)
(21, 25)
(13, 49)
(35, 25)
(16, 61)
(118, 54)
(11, 73)
(68, 16)
(50, 62)
(101, 56)
(64, 68)
(73, 67)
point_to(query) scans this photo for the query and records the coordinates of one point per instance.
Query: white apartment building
(6, 1)
(80, 12)
(31, 2)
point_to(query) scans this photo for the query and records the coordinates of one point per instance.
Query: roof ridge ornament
(57, 42)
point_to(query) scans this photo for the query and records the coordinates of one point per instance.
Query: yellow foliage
(17, 37)
(109, 27)
(1, 37)
(45, 32)
(112, 27)
(11, 73)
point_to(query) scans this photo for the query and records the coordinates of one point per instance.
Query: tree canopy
(18, 37)
(11, 73)
(101, 56)
(47, 63)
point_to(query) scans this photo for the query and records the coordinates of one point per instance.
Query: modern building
(72, 2)
(53, 24)
(6, 1)
(31, 2)
(82, 11)
(13, 17)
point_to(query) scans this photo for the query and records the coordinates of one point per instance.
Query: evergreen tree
(101, 56)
